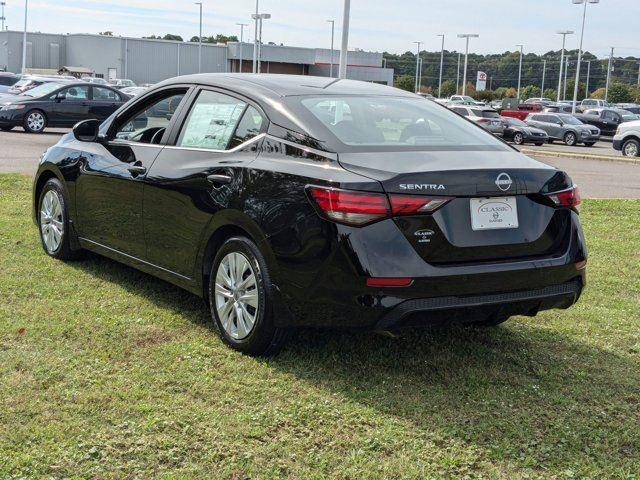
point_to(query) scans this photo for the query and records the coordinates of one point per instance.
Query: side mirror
(87, 130)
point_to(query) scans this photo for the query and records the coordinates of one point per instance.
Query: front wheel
(631, 148)
(241, 299)
(518, 138)
(570, 139)
(53, 221)
(34, 122)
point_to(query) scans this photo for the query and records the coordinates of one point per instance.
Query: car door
(109, 189)
(70, 105)
(104, 101)
(197, 175)
(610, 122)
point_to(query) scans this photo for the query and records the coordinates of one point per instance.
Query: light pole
(333, 26)
(259, 17)
(200, 40)
(342, 71)
(584, 16)
(544, 71)
(586, 90)
(2, 17)
(466, 57)
(566, 71)
(24, 39)
(255, 40)
(417, 66)
(606, 90)
(241, 25)
(441, 65)
(458, 75)
(519, 69)
(564, 34)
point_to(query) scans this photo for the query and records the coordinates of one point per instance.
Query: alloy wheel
(570, 139)
(236, 295)
(631, 149)
(51, 221)
(35, 121)
(518, 139)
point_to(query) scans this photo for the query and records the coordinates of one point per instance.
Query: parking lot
(19, 153)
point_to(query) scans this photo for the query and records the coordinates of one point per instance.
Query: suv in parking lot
(569, 129)
(627, 139)
(486, 117)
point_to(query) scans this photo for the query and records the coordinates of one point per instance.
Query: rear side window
(250, 126)
(211, 121)
(105, 94)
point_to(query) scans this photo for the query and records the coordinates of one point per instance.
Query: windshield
(394, 121)
(628, 116)
(42, 90)
(514, 122)
(569, 120)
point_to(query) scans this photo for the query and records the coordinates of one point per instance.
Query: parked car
(542, 100)
(464, 100)
(519, 132)
(7, 80)
(564, 127)
(589, 103)
(523, 111)
(629, 107)
(27, 82)
(558, 108)
(133, 91)
(60, 105)
(120, 83)
(627, 139)
(606, 119)
(96, 80)
(289, 200)
(486, 117)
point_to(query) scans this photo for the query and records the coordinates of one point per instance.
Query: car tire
(239, 271)
(550, 141)
(6, 129)
(35, 121)
(53, 222)
(570, 139)
(631, 148)
(518, 138)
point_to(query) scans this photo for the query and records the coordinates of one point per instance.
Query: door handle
(137, 169)
(219, 179)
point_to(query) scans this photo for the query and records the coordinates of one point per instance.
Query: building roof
(76, 69)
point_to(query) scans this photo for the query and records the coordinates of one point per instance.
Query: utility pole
(441, 65)
(586, 90)
(417, 66)
(458, 75)
(333, 25)
(342, 71)
(2, 17)
(255, 40)
(564, 34)
(24, 39)
(519, 70)
(566, 70)
(466, 58)
(241, 25)
(200, 40)
(577, 84)
(544, 71)
(606, 90)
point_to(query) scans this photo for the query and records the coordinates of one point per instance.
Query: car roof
(274, 85)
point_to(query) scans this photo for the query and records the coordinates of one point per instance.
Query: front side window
(211, 121)
(105, 94)
(382, 121)
(147, 123)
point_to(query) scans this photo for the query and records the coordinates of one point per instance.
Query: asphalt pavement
(20, 151)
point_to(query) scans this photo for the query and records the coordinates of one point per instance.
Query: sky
(376, 25)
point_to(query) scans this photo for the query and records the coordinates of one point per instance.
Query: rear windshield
(395, 122)
(485, 113)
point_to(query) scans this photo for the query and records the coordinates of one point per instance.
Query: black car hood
(12, 98)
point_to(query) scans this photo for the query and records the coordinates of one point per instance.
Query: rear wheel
(518, 138)
(631, 148)
(570, 139)
(35, 121)
(241, 299)
(53, 222)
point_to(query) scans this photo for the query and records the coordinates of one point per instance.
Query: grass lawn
(106, 372)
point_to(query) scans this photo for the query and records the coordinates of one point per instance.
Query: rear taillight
(565, 198)
(362, 208)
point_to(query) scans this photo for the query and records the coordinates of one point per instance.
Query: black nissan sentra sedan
(57, 104)
(291, 201)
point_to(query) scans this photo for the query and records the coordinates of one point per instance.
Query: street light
(24, 39)
(259, 17)
(200, 39)
(342, 71)
(519, 69)
(333, 26)
(466, 56)
(2, 17)
(606, 90)
(417, 66)
(241, 25)
(255, 40)
(441, 64)
(564, 34)
(584, 16)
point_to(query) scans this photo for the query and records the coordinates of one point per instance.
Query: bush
(405, 82)
(530, 91)
(484, 95)
(448, 88)
(582, 89)
(599, 94)
(510, 93)
(620, 93)
(471, 90)
(551, 93)
(500, 92)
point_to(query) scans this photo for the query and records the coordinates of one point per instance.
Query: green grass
(119, 375)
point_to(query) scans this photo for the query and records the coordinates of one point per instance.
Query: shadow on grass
(522, 393)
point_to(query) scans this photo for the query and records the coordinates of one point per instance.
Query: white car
(627, 139)
(465, 100)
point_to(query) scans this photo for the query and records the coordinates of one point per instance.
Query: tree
(500, 92)
(168, 36)
(599, 93)
(471, 90)
(107, 33)
(510, 93)
(530, 91)
(219, 38)
(405, 82)
(448, 88)
(582, 89)
(619, 93)
(551, 93)
(484, 95)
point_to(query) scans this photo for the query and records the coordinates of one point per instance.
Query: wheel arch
(41, 179)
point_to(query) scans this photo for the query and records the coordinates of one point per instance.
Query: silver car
(564, 127)
(486, 117)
